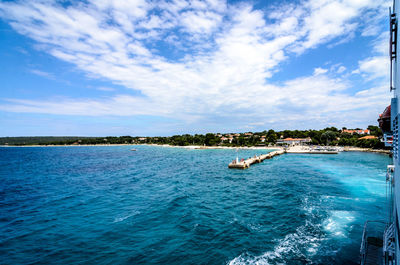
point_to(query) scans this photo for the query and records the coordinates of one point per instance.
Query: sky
(119, 67)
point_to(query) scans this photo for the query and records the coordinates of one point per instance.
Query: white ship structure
(380, 238)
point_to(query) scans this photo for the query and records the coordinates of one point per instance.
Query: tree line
(327, 136)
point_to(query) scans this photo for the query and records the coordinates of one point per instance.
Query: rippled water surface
(158, 205)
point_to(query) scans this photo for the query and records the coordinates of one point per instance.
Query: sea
(163, 205)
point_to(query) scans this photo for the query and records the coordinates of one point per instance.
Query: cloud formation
(203, 60)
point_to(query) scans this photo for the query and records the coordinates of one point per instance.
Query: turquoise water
(158, 205)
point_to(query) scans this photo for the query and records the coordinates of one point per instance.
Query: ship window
(398, 230)
(395, 137)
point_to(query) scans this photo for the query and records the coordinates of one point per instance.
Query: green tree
(327, 137)
(211, 139)
(271, 136)
(375, 130)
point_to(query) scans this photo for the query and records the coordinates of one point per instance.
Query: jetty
(246, 163)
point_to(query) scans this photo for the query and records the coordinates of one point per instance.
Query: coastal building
(294, 141)
(77, 142)
(366, 131)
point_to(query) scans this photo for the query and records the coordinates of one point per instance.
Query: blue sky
(97, 68)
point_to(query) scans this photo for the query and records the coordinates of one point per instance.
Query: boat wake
(299, 245)
(310, 238)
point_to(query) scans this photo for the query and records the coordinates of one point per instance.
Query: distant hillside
(32, 140)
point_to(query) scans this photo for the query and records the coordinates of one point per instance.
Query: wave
(122, 218)
(320, 225)
(338, 222)
(301, 245)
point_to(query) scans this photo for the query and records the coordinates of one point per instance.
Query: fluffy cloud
(225, 55)
(341, 69)
(319, 70)
(374, 67)
(378, 65)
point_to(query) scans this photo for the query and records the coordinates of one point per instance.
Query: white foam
(122, 218)
(338, 223)
(293, 244)
(307, 240)
(243, 260)
(313, 248)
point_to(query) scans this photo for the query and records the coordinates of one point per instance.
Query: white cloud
(230, 52)
(103, 88)
(341, 69)
(200, 22)
(326, 20)
(374, 67)
(300, 101)
(121, 105)
(378, 65)
(374, 27)
(42, 73)
(318, 71)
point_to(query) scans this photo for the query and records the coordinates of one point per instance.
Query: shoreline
(370, 150)
(64, 145)
(200, 147)
(196, 147)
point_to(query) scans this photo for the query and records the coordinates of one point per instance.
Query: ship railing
(372, 234)
(389, 248)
